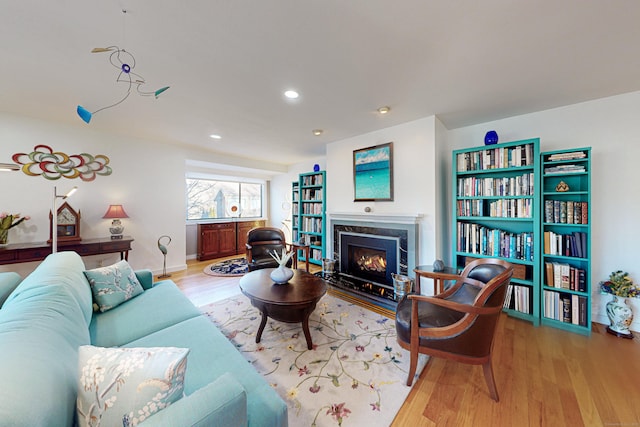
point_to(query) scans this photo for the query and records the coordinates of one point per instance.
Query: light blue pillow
(113, 285)
(125, 386)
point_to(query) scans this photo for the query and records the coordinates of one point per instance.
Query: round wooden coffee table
(292, 302)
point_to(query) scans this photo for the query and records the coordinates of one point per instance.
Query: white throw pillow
(125, 386)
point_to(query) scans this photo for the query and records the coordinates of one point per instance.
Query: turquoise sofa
(48, 315)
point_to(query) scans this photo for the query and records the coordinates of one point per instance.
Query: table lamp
(116, 212)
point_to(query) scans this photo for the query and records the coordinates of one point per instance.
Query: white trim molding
(369, 217)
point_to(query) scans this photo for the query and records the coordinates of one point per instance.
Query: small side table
(449, 273)
(305, 249)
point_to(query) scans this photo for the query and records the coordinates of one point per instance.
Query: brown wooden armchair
(459, 323)
(262, 241)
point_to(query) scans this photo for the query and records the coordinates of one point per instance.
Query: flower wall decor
(52, 165)
(8, 221)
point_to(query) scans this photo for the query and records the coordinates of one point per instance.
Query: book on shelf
(518, 298)
(565, 276)
(565, 212)
(565, 308)
(477, 239)
(571, 245)
(565, 169)
(573, 155)
(471, 186)
(496, 158)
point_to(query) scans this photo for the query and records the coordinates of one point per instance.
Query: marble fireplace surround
(402, 227)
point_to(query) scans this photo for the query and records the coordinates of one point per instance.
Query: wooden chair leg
(491, 382)
(412, 367)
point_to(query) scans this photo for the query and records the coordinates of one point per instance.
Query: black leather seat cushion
(431, 315)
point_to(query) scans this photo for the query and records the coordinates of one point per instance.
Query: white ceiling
(229, 61)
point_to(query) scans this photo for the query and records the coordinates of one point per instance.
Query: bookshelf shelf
(312, 214)
(566, 230)
(496, 193)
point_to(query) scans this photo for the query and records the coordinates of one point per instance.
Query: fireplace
(368, 253)
(369, 257)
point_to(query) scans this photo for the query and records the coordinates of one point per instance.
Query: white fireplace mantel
(371, 217)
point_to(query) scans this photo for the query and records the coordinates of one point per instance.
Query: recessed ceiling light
(215, 136)
(384, 110)
(317, 132)
(291, 94)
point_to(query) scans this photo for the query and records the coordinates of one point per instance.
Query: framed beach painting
(373, 173)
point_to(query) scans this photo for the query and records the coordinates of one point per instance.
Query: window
(213, 199)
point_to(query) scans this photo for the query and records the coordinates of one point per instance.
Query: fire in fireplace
(369, 257)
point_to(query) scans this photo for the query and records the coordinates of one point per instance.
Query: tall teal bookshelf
(496, 192)
(312, 215)
(566, 249)
(295, 211)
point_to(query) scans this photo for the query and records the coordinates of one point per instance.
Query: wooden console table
(28, 252)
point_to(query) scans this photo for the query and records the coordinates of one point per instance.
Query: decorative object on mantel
(163, 249)
(620, 286)
(125, 63)
(66, 220)
(7, 222)
(373, 173)
(52, 165)
(562, 187)
(491, 138)
(282, 274)
(438, 265)
(116, 213)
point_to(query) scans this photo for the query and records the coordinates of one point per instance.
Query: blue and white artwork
(373, 173)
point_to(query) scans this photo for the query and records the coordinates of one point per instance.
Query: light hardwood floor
(545, 376)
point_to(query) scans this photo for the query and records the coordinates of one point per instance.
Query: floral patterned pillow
(113, 285)
(125, 386)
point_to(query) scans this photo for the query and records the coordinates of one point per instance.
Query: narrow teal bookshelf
(295, 211)
(312, 215)
(566, 250)
(496, 192)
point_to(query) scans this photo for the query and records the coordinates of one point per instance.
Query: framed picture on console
(373, 173)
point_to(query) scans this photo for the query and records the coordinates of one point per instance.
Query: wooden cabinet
(241, 234)
(222, 239)
(216, 240)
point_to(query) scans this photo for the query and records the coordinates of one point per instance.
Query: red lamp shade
(115, 212)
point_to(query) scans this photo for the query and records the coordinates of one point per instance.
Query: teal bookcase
(295, 211)
(566, 229)
(312, 215)
(496, 193)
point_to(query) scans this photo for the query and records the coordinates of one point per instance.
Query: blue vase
(491, 138)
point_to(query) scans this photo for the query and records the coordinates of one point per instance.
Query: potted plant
(621, 287)
(7, 222)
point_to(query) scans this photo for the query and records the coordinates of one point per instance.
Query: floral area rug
(231, 267)
(355, 374)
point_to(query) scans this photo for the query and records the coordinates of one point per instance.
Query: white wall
(147, 179)
(415, 176)
(612, 128)
(280, 194)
